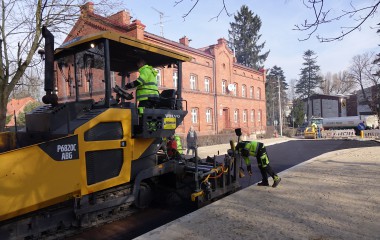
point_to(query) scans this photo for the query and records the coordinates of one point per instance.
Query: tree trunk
(3, 111)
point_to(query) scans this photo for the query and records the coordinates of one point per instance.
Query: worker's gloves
(249, 170)
(128, 86)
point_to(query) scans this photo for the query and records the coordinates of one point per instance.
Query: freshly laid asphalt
(332, 196)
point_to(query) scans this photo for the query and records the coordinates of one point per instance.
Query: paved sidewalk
(318, 199)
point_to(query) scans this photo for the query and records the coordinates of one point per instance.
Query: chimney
(136, 29)
(184, 41)
(122, 18)
(222, 41)
(87, 8)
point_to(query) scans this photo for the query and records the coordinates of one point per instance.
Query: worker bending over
(258, 150)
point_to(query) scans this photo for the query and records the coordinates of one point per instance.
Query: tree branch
(321, 17)
(224, 8)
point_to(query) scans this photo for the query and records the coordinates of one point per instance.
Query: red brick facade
(213, 103)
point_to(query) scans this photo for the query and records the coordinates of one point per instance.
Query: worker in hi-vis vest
(145, 84)
(258, 150)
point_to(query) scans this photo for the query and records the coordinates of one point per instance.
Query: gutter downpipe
(215, 96)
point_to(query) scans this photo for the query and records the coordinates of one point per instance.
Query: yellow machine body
(310, 133)
(30, 179)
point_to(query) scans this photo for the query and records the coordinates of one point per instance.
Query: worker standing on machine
(145, 84)
(258, 150)
(314, 128)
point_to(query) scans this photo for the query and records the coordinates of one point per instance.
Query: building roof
(15, 106)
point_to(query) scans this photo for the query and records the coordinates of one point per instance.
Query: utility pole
(279, 105)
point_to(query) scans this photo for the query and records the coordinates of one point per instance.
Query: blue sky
(278, 18)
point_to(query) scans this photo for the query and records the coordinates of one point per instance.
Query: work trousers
(263, 164)
(192, 149)
(267, 170)
(146, 103)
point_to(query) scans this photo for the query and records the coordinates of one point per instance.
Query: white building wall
(330, 108)
(317, 108)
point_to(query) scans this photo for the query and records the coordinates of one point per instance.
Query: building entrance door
(226, 118)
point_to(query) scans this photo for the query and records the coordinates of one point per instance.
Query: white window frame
(258, 93)
(259, 116)
(175, 78)
(252, 115)
(244, 116)
(251, 90)
(208, 115)
(158, 77)
(236, 115)
(113, 79)
(235, 89)
(194, 115)
(224, 86)
(207, 84)
(243, 91)
(193, 82)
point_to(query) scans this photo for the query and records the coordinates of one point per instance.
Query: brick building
(221, 94)
(16, 106)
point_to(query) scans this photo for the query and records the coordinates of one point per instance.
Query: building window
(245, 116)
(243, 91)
(175, 78)
(259, 117)
(193, 82)
(236, 115)
(208, 115)
(158, 77)
(207, 85)
(253, 116)
(258, 95)
(224, 84)
(113, 79)
(194, 115)
(235, 89)
(251, 92)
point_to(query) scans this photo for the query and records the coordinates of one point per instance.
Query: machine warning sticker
(170, 123)
(62, 149)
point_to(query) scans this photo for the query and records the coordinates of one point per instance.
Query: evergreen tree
(309, 77)
(298, 112)
(244, 37)
(271, 91)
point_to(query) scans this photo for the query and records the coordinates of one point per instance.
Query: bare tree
(363, 72)
(326, 84)
(343, 83)
(20, 29)
(291, 92)
(322, 16)
(337, 83)
(195, 3)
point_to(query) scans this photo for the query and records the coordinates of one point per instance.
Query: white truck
(370, 121)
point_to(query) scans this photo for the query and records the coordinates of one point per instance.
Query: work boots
(264, 184)
(277, 180)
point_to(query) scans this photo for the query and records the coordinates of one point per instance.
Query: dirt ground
(333, 196)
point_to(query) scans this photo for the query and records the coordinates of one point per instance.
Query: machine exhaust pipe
(50, 97)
